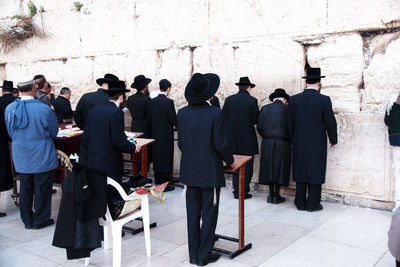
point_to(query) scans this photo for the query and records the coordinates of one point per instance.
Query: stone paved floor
(281, 236)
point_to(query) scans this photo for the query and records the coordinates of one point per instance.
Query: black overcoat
(311, 118)
(62, 108)
(162, 120)
(203, 141)
(137, 105)
(104, 140)
(273, 126)
(6, 179)
(86, 103)
(241, 113)
(77, 224)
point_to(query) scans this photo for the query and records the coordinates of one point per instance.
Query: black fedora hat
(8, 85)
(140, 82)
(108, 77)
(279, 92)
(313, 73)
(116, 87)
(201, 87)
(245, 81)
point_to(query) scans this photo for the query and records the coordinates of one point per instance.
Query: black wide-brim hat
(140, 82)
(201, 87)
(245, 81)
(116, 87)
(279, 93)
(108, 77)
(8, 85)
(313, 73)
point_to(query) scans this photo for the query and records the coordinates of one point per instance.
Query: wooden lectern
(241, 246)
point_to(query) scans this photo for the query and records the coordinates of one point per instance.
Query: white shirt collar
(208, 102)
(26, 97)
(162, 93)
(310, 88)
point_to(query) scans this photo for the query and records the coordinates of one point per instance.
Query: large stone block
(9, 9)
(176, 66)
(361, 15)
(62, 38)
(107, 26)
(164, 24)
(382, 76)
(270, 64)
(340, 58)
(75, 74)
(359, 164)
(219, 59)
(240, 20)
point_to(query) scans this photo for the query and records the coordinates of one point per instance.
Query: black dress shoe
(3, 214)
(246, 196)
(301, 208)
(317, 209)
(213, 257)
(193, 261)
(28, 227)
(278, 199)
(169, 188)
(44, 224)
(270, 199)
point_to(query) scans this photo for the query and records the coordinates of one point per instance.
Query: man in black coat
(92, 99)
(62, 106)
(137, 105)
(311, 118)
(241, 113)
(273, 126)
(162, 120)
(204, 144)
(6, 178)
(104, 139)
(215, 102)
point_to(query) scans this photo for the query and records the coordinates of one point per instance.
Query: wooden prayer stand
(143, 142)
(241, 246)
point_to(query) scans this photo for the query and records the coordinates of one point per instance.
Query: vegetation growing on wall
(23, 29)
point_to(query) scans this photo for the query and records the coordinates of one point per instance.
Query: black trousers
(161, 177)
(201, 204)
(248, 174)
(35, 190)
(314, 196)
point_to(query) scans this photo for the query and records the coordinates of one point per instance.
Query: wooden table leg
(144, 161)
(241, 207)
(134, 164)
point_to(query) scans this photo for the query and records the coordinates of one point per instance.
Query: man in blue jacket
(32, 126)
(202, 138)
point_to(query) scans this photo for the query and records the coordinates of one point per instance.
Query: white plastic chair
(113, 228)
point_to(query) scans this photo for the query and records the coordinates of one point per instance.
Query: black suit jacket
(202, 139)
(6, 179)
(62, 108)
(137, 105)
(86, 103)
(104, 140)
(162, 119)
(241, 113)
(311, 118)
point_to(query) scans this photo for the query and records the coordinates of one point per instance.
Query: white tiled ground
(281, 236)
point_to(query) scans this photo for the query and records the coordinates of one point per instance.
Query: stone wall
(356, 43)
